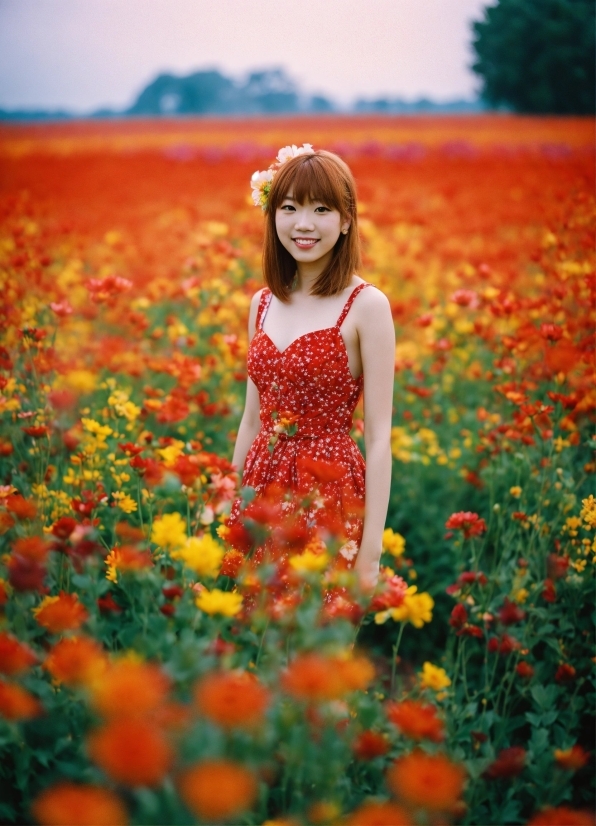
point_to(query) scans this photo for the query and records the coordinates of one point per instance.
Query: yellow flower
(121, 403)
(222, 531)
(226, 603)
(416, 608)
(521, 595)
(124, 502)
(515, 491)
(393, 542)
(308, 562)
(169, 531)
(100, 431)
(433, 677)
(170, 453)
(83, 380)
(588, 511)
(202, 554)
(579, 565)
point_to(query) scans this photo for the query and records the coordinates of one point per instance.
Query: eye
(288, 207)
(322, 209)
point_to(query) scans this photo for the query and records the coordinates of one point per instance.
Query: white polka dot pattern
(310, 382)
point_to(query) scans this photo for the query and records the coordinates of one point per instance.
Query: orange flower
(132, 752)
(15, 656)
(17, 703)
(21, 507)
(61, 613)
(430, 781)
(232, 699)
(356, 672)
(374, 813)
(316, 678)
(572, 759)
(76, 661)
(130, 689)
(33, 548)
(127, 558)
(416, 720)
(78, 805)
(562, 816)
(217, 789)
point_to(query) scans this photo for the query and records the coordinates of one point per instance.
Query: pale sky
(83, 54)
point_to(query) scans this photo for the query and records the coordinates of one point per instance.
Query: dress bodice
(309, 381)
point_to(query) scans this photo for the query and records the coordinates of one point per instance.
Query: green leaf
(544, 696)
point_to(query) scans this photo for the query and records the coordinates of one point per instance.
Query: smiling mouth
(305, 243)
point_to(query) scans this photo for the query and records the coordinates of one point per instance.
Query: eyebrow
(288, 198)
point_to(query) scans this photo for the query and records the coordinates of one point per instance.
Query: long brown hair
(320, 176)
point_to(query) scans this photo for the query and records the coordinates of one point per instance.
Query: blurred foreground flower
(217, 790)
(428, 781)
(78, 804)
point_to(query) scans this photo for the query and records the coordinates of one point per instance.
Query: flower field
(150, 672)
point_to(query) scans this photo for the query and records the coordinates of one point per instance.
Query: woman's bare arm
(377, 347)
(250, 423)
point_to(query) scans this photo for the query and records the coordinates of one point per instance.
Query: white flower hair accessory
(261, 181)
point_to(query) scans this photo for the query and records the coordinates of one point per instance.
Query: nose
(303, 221)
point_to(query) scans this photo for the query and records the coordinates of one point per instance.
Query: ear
(345, 227)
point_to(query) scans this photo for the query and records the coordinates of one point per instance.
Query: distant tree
(537, 56)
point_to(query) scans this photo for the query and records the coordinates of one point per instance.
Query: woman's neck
(307, 274)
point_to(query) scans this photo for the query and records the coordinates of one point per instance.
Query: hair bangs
(312, 178)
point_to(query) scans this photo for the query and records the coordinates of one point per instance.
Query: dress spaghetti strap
(348, 303)
(263, 305)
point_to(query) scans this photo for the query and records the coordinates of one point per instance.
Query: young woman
(319, 336)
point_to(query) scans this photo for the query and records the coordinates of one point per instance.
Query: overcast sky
(83, 54)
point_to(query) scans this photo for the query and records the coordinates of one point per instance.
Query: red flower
(510, 613)
(551, 332)
(549, 593)
(509, 763)
(172, 591)
(26, 574)
(239, 537)
(416, 720)
(459, 616)
(469, 630)
(565, 673)
(370, 744)
(36, 432)
(469, 523)
(321, 470)
(63, 527)
(108, 605)
(557, 566)
(524, 670)
(503, 645)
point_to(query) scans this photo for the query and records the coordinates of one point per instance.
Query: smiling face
(308, 231)
(311, 201)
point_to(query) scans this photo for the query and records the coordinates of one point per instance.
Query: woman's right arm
(250, 423)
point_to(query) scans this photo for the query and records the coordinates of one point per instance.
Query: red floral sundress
(307, 399)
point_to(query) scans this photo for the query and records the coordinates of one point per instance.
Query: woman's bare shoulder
(374, 298)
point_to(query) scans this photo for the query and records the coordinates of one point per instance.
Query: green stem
(394, 660)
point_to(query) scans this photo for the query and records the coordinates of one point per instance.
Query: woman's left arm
(377, 347)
